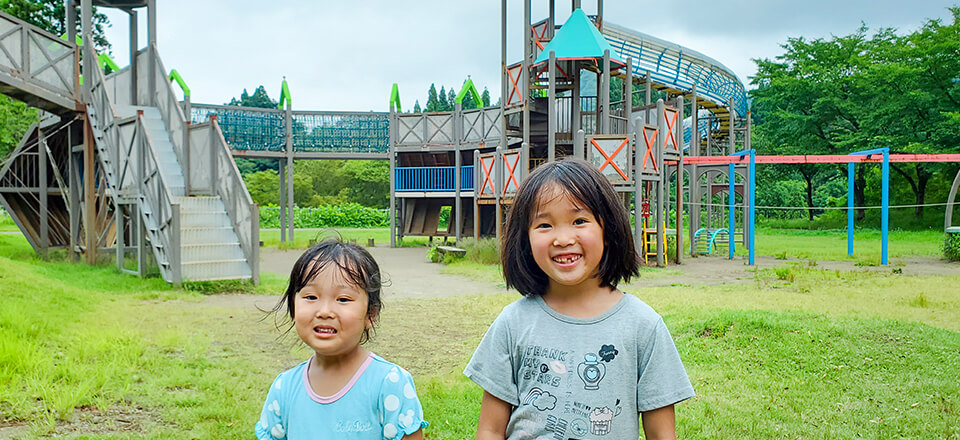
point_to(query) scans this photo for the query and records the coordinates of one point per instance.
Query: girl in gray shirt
(575, 358)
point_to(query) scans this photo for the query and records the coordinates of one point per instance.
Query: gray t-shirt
(571, 378)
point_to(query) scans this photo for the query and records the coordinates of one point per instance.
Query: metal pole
(71, 12)
(753, 199)
(733, 135)
(578, 144)
(628, 96)
(731, 210)
(288, 117)
(457, 127)
(392, 208)
(282, 166)
(42, 188)
(74, 198)
(851, 169)
(552, 108)
(679, 210)
(134, 45)
(477, 181)
(497, 170)
(90, 219)
(637, 135)
(693, 176)
(152, 44)
(576, 122)
(885, 206)
(525, 75)
(604, 99)
(661, 142)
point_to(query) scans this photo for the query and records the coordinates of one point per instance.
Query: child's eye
(580, 221)
(310, 297)
(542, 226)
(344, 299)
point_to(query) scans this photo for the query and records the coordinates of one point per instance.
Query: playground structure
(118, 165)
(113, 165)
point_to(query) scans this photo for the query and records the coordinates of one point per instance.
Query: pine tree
(451, 100)
(416, 107)
(442, 100)
(485, 97)
(433, 104)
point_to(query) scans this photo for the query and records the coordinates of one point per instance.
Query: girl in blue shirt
(343, 391)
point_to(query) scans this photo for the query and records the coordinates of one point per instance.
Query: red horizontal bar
(875, 158)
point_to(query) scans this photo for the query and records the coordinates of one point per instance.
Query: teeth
(566, 259)
(326, 330)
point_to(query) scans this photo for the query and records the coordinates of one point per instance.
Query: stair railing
(171, 112)
(159, 211)
(161, 216)
(209, 150)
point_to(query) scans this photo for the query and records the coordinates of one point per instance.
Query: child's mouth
(567, 258)
(324, 331)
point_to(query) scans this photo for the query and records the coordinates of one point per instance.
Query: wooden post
(551, 108)
(90, 208)
(42, 189)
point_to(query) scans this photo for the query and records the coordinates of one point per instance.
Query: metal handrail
(237, 201)
(169, 106)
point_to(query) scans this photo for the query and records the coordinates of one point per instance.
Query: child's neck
(581, 301)
(329, 374)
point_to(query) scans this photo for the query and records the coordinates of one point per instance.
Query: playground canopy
(578, 39)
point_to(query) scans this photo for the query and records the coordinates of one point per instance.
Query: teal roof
(578, 39)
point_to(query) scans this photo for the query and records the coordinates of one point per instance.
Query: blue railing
(432, 178)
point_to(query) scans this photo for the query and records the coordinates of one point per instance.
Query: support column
(42, 188)
(648, 90)
(628, 97)
(661, 141)
(282, 167)
(637, 135)
(604, 98)
(152, 50)
(457, 127)
(552, 107)
(575, 113)
(392, 207)
(74, 197)
(693, 178)
(525, 75)
(71, 16)
(134, 45)
(732, 148)
(477, 189)
(288, 117)
(679, 219)
(90, 206)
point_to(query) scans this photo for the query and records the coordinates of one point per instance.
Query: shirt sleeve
(662, 379)
(400, 410)
(271, 425)
(492, 365)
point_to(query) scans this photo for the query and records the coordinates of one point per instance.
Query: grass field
(799, 352)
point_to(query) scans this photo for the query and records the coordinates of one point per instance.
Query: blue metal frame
(439, 179)
(884, 200)
(751, 219)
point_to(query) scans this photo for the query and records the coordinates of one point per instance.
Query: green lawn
(800, 352)
(6, 223)
(832, 244)
(303, 237)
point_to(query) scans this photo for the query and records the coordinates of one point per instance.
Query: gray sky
(345, 55)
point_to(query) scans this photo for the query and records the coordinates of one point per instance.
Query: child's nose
(325, 309)
(564, 238)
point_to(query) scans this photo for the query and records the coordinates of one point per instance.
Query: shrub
(951, 246)
(483, 251)
(346, 215)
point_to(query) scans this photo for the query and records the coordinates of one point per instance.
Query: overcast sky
(345, 55)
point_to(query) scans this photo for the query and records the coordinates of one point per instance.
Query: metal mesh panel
(245, 128)
(341, 132)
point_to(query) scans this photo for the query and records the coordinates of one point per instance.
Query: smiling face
(566, 241)
(330, 313)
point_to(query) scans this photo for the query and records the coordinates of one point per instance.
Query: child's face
(330, 313)
(565, 238)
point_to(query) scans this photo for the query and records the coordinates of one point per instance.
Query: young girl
(343, 391)
(575, 358)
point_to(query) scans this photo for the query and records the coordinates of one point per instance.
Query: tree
(433, 104)
(259, 99)
(451, 100)
(416, 107)
(442, 103)
(485, 97)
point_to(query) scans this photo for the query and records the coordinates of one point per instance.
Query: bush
(951, 247)
(483, 251)
(346, 215)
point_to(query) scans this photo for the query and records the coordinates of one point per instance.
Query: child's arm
(415, 436)
(659, 424)
(494, 415)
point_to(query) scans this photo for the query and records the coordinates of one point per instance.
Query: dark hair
(582, 181)
(357, 265)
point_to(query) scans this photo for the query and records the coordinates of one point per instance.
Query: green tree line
(855, 92)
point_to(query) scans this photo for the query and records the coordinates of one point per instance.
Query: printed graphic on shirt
(540, 399)
(608, 352)
(356, 425)
(556, 426)
(591, 372)
(543, 365)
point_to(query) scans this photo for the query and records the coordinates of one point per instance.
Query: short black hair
(583, 182)
(357, 266)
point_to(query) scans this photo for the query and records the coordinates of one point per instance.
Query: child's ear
(371, 318)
